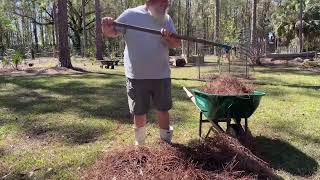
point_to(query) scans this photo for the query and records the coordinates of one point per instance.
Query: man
(146, 62)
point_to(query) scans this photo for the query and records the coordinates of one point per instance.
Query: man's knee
(163, 114)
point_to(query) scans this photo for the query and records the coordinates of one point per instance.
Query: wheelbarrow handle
(182, 37)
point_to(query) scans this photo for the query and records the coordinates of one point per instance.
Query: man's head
(158, 9)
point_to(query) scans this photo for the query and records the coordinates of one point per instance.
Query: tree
(99, 55)
(286, 22)
(55, 29)
(64, 51)
(188, 23)
(301, 26)
(217, 23)
(83, 5)
(35, 32)
(5, 26)
(253, 38)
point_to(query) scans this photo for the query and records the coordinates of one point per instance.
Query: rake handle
(177, 36)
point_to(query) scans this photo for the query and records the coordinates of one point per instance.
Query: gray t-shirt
(146, 55)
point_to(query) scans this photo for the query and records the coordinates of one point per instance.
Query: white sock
(140, 135)
(166, 135)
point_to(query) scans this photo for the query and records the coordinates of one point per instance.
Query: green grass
(54, 127)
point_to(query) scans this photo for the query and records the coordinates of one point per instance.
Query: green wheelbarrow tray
(216, 107)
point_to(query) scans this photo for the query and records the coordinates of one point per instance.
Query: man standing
(146, 62)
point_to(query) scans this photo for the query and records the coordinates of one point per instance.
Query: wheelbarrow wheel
(235, 130)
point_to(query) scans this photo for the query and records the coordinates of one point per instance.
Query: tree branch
(102, 11)
(86, 2)
(88, 28)
(92, 21)
(73, 10)
(33, 19)
(47, 12)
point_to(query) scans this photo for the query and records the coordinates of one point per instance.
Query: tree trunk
(203, 21)
(254, 32)
(18, 32)
(301, 27)
(53, 34)
(188, 14)
(23, 25)
(43, 43)
(217, 25)
(47, 32)
(29, 33)
(179, 15)
(64, 51)
(1, 44)
(76, 41)
(84, 41)
(99, 55)
(55, 29)
(35, 33)
(8, 39)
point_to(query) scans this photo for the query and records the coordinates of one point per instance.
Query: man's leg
(166, 130)
(163, 119)
(139, 120)
(163, 103)
(138, 100)
(140, 129)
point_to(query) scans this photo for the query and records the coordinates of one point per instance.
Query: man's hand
(172, 42)
(108, 29)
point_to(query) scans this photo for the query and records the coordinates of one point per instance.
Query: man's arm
(108, 29)
(172, 42)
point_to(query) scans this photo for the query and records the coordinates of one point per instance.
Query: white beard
(158, 16)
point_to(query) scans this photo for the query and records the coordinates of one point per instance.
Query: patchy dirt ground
(48, 66)
(41, 66)
(300, 64)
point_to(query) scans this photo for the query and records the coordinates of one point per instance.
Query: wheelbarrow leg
(200, 125)
(211, 128)
(217, 127)
(228, 123)
(245, 125)
(238, 121)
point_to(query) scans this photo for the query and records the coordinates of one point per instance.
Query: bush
(5, 61)
(91, 52)
(17, 58)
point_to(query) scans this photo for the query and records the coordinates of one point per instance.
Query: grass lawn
(54, 127)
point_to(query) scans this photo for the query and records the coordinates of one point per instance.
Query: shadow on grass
(283, 156)
(279, 88)
(278, 82)
(71, 134)
(102, 101)
(75, 133)
(72, 94)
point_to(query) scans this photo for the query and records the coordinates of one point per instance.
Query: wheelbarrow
(229, 109)
(108, 63)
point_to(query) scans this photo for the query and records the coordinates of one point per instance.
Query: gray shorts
(142, 91)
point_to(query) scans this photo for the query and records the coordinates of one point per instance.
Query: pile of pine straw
(227, 85)
(221, 157)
